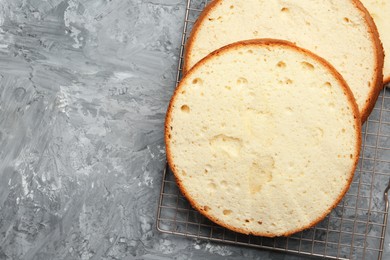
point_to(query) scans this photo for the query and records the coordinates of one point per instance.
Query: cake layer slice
(263, 137)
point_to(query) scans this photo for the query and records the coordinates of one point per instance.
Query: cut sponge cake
(341, 31)
(380, 11)
(263, 137)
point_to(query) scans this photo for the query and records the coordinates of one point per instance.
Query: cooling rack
(355, 229)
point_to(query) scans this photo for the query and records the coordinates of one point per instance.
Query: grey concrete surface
(84, 86)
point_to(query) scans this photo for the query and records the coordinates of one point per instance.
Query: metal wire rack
(355, 229)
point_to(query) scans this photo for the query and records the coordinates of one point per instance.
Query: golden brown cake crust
(263, 42)
(378, 83)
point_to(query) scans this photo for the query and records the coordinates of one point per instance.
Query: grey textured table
(83, 94)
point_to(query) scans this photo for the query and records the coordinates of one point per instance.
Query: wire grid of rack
(355, 229)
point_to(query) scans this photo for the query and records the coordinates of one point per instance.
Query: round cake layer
(263, 137)
(341, 31)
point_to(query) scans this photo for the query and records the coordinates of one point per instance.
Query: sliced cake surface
(263, 137)
(341, 31)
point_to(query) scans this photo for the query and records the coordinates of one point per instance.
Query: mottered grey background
(84, 86)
